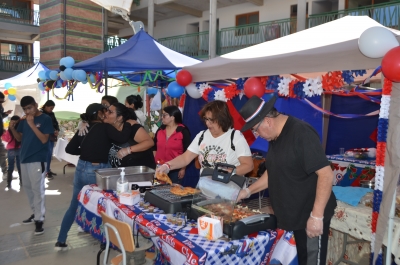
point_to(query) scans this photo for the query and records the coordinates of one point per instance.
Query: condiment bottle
(122, 183)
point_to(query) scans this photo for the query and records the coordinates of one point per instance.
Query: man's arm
(42, 137)
(324, 190)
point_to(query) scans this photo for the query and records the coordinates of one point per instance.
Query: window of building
(15, 51)
(245, 19)
(293, 11)
(360, 3)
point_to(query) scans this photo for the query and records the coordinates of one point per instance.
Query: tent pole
(106, 82)
(48, 95)
(388, 260)
(326, 105)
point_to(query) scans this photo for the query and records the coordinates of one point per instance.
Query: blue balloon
(69, 61)
(92, 78)
(53, 75)
(62, 76)
(62, 61)
(152, 90)
(7, 85)
(74, 74)
(80, 75)
(175, 90)
(59, 83)
(11, 97)
(68, 74)
(48, 75)
(41, 86)
(42, 75)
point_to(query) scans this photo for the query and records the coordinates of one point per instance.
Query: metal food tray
(106, 178)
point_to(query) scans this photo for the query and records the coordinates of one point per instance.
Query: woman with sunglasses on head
(92, 149)
(220, 143)
(137, 151)
(171, 140)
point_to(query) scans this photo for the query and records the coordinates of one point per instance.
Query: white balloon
(375, 42)
(193, 91)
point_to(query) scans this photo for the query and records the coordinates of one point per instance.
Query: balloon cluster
(67, 73)
(10, 91)
(378, 42)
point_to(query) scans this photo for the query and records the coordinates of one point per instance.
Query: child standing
(13, 148)
(33, 132)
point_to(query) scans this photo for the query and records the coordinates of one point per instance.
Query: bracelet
(168, 165)
(317, 218)
(248, 192)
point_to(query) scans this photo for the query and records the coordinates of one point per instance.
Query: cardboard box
(209, 228)
(129, 198)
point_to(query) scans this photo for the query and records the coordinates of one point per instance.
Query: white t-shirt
(141, 117)
(218, 150)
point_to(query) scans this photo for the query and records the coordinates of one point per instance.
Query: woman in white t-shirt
(216, 144)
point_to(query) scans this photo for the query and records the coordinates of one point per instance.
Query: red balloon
(184, 78)
(254, 87)
(5, 92)
(391, 65)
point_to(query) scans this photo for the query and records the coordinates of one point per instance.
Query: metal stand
(67, 165)
(102, 248)
(345, 243)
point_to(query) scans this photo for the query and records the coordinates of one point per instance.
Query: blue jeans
(84, 175)
(13, 156)
(49, 156)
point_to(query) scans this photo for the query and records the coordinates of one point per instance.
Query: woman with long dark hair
(92, 149)
(171, 140)
(47, 109)
(13, 148)
(137, 151)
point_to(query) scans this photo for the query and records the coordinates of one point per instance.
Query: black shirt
(94, 146)
(291, 162)
(143, 158)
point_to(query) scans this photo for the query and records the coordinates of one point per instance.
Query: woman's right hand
(163, 169)
(82, 128)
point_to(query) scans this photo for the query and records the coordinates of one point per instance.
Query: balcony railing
(236, 38)
(19, 15)
(11, 63)
(193, 45)
(111, 42)
(386, 14)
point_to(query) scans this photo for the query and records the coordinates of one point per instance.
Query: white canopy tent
(328, 47)
(26, 85)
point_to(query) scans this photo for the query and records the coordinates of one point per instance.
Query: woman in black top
(47, 109)
(135, 152)
(92, 149)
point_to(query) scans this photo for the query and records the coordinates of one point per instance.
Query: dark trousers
(312, 251)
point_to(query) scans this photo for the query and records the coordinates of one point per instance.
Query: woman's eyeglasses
(165, 115)
(205, 119)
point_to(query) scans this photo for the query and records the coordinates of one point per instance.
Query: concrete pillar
(341, 4)
(301, 14)
(82, 36)
(212, 51)
(150, 18)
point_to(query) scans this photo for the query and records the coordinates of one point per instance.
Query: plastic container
(122, 183)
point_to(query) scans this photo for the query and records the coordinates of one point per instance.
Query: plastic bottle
(122, 183)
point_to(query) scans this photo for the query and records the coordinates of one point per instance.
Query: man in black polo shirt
(298, 177)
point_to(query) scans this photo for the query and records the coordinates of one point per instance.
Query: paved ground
(18, 244)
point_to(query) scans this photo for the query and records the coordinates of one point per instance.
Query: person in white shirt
(218, 144)
(135, 102)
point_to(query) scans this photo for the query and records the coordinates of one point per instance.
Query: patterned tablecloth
(185, 246)
(349, 171)
(356, 222)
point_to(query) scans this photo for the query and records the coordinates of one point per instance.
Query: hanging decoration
(10, 91)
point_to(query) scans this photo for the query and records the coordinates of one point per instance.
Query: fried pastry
(163, 177)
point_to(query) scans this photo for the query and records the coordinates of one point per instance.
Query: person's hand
(30, 120)
(83, 128)
(315, 226)
(12, 124)
(124, 152)
(164, 168)
(8, 112)
(242, 195)
(181, 173)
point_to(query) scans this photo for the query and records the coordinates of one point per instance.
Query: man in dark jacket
(3, 151)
